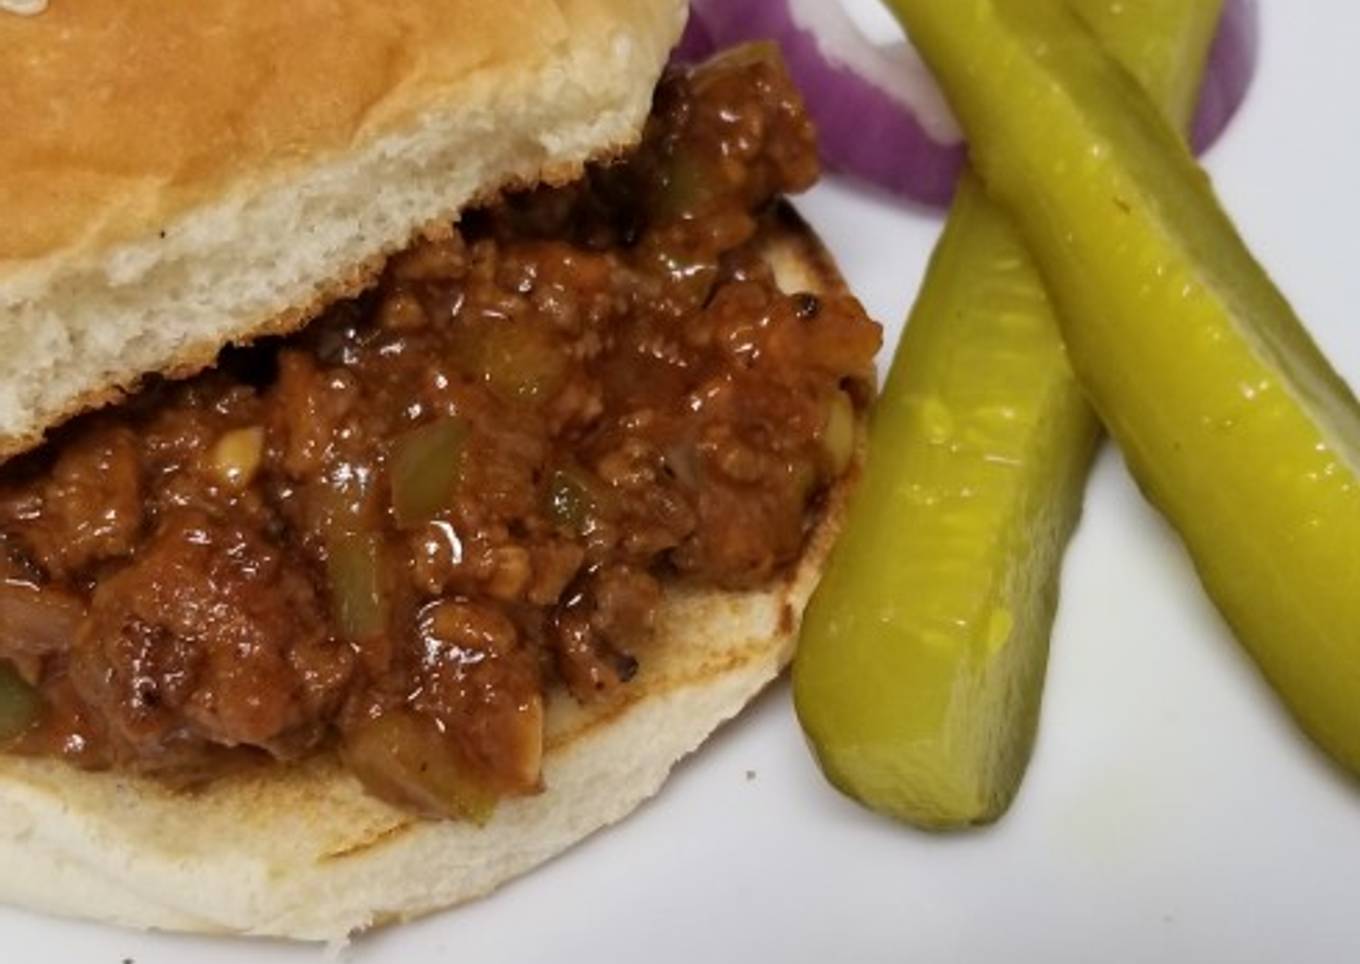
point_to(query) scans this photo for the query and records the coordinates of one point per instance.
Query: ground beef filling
(394, 532)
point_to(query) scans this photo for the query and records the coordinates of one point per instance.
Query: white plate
(1172, 812)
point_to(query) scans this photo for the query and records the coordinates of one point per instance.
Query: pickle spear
(920, 671)
(1233, 421)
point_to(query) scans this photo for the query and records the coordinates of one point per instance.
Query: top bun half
(178, 176)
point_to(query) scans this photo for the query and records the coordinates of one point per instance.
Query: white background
(1171, 814)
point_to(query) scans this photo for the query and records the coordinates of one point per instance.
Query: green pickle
(921, 662)
(920, 671)
(1233, 421)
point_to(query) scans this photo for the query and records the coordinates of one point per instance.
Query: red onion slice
(882, 120)
(879, 113)
(1232, 65)
(697, 43)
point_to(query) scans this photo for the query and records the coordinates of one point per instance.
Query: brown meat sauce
(394, 532)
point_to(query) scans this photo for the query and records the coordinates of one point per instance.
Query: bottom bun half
(303, 852)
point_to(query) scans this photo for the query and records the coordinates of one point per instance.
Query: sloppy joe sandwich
(422, 423)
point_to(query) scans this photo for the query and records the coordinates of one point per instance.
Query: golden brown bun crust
(304, 853)
(121, 114)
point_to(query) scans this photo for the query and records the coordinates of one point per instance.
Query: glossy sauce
(395, 531)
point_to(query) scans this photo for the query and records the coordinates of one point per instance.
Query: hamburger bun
(180, 177)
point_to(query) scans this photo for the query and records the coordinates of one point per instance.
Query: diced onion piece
(689, 184)
(518, 358)
(35, 620)
(426, 465)
(355, 567)
(838, 436)
(237, 456)
(568, 501)
(405, 759)
(575, 498)
(20, 704)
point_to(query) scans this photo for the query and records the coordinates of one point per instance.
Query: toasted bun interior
(175, 176)
(305, 853)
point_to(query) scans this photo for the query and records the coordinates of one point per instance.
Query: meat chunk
(481, 683)
(745, 534)
(604, 617)
(208, 636)
(89, 509)
(309, 404)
